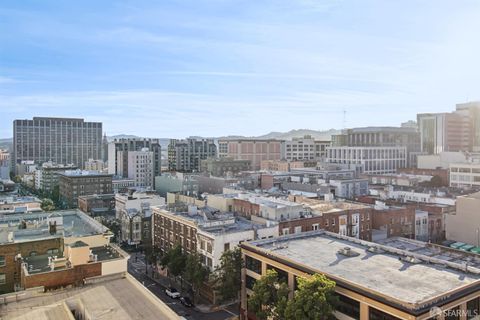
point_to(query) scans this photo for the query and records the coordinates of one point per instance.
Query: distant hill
(319, 135)
(6, 143)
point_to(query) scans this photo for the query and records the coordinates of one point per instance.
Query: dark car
(186, 302)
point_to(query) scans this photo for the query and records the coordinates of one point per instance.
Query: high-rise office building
(451, 132)
(117, 160)
(186, 155)
(60, 140)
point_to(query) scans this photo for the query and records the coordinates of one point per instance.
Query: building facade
(255, 150)
(373, 160)
(186, 155)
(60, 140)
(115, 160)
(465, 175)
(5, 164)
(47, 176)
(371, 279)
(220, 167)
(73, 184)
(304, 149)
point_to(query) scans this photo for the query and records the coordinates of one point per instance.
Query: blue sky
(227, 67)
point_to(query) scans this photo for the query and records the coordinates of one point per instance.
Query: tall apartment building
(5, 164)
(304, 149)
(373, 160)
(117, 160)
(140, 166)
(47, 176)
(255, 150)
(75, 183)
(186, 155)
(60, 140)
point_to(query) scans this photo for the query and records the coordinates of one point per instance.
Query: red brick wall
(245, 208)
(399, 222)
(62, 278)
(266, 181)
(307, 223)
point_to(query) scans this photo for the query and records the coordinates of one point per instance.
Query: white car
(172, 293)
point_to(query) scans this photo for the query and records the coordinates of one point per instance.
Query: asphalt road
(137, 270)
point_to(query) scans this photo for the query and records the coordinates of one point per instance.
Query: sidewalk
(165, 282)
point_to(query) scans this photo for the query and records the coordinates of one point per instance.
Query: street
(137, 270)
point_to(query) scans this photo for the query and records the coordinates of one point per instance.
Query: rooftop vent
(373, 249)
(411, 260)
(348, 252)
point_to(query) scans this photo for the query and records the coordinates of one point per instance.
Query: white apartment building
(136, 200)
(304, 149)
(374, 160)
(465, 175)
(139, 166)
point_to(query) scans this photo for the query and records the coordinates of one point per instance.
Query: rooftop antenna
(344, 118)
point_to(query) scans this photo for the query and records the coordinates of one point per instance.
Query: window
(315, 226)
(473, 308)
(250, 282)
(3, 278)
(380, 315)
(52, 251)
(226, 247)
(348, 306)
(2, 261)
(285, 231)
(298, 229)
(253, 264)
(282, 275)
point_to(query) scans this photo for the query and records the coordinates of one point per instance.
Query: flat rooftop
(321, 206)
(118, 299)
(412, 282)
(70, 223)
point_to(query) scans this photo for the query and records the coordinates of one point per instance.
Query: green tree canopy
(314, 299)
(195, 273)
(47, 205)
(227, 276)
(175, 260)
(270, 297)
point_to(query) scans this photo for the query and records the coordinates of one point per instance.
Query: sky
(173, 69)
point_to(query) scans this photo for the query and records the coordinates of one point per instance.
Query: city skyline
(168, 70)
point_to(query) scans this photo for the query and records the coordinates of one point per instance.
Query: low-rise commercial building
(76, 183)
(97, 204)
(220, 167)
(305, 148)
(255, 150)
(16, 204)
(55, 250)
(373, 281)
(465, 175)
(373, 160)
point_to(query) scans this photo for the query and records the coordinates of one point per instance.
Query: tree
(195, 273)
(314, 299)
(174, 260)
(47, 205)
(270, 297)
(226, 278)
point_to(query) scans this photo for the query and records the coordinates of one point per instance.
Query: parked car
(186, 302)
(172, 293)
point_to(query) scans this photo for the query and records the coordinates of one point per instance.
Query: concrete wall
(93, 241)
(464, 225)
(114, 266)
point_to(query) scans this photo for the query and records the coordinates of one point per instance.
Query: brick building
(97, 204)
(80, 183)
